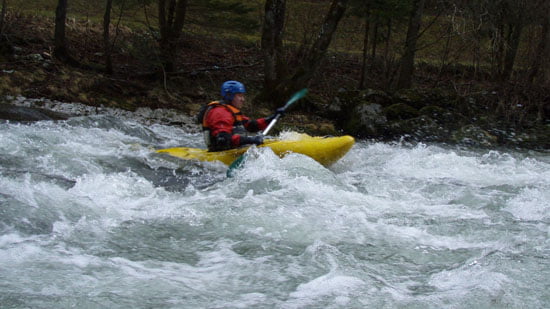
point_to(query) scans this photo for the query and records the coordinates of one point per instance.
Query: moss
(5, 85)
(326, 129)
(83, 98)
(126, 105)
(73, 88)
(409, 95)
(22, 77)
(65, 77)
(39, 75)
(352, 126)
(400, 111)
(51, 89)
(432, 111)
(440, 115)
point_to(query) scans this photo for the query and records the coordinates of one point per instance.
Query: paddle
(240, 160)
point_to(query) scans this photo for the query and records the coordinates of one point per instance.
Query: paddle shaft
(297, 96)
(271, 124)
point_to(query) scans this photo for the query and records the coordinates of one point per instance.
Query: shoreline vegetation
(453, 104)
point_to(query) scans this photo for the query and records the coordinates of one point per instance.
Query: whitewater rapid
(91, 217)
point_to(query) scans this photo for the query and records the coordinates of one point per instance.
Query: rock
(17, 49)
(537, 137)
(366, 120)
(411, 97)
(401, 111)
(418, 129)
(347, 100)
(35, 57)
(21, 113)
(376, 96)
(440, 115)
(335, 107)
(472, 135)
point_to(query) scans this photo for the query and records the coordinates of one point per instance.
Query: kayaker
(224, 125)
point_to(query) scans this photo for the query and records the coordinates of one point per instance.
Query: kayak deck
(325, 150)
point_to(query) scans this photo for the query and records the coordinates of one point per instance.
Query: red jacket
(227, 118)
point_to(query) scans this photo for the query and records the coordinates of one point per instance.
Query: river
(91, 217)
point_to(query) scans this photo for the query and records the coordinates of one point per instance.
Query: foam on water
(531, 204)
(92, 217)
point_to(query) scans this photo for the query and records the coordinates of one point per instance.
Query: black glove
(256, 140)
(280, 111)
(220, 142)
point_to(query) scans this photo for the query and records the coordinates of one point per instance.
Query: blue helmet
(230, 88)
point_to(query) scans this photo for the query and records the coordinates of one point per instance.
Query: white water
(90, 217)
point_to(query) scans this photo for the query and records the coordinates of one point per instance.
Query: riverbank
(46, 109)
(486, 116)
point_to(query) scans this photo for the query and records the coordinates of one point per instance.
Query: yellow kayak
(325, 150)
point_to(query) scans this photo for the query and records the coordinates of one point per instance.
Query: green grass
(304, 18)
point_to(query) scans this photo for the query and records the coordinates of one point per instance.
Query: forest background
(395, 63)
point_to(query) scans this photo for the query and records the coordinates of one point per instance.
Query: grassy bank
(213, 52)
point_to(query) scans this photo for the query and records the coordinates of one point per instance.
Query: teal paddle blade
(237, 164)
(295, 97)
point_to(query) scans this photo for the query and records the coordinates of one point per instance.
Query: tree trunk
(106, 37)
(60, 44)
(2, 16)
(498, 49)
(364, 69)
(272, 42)
(388, 39)
(511, 49)
(542, 46)
(171, 20)
(304, 73)
(374, 44)
(406, 68)
(446, 50)
(61, 51)
(388, 61)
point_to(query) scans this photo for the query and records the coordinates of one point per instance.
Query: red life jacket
(237, 114)
(238, 124)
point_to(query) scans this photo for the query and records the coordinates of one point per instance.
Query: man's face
(238, 100)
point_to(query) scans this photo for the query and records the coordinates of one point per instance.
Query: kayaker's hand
(280, 111)
(256, 140)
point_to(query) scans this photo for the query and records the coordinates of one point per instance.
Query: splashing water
(92, 217)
